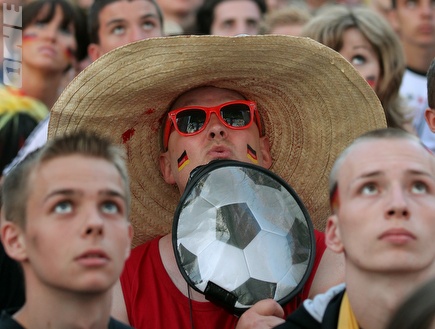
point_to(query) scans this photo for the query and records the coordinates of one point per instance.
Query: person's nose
(216, 129)
(397, 207)
(93, 224)
(242, 29)
(137, 34)
(427, 8)
(50, 33)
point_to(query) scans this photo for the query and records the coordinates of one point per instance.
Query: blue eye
(110, 207)
(358, 60)
(148, 25)
(369, 189)
(419, 188)
(64, 207)
(118, 30)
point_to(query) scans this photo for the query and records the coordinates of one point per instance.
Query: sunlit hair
(379, 134)
(291, 15)
(328, 28)
(16, 188)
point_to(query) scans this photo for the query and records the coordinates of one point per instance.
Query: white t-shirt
(414, 91)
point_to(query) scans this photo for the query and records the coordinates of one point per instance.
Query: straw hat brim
(313, 103)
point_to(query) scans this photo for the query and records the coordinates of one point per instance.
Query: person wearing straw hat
(308, 104)
(382, 191)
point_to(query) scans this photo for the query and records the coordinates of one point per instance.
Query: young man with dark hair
(230, 17)
(114, 23)
(430, 111)
(414, 21)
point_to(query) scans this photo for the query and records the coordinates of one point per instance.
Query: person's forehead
(206, 95)
(372, 154)
(223, 8)
(47, 170)
(113, 8)
(236, 8)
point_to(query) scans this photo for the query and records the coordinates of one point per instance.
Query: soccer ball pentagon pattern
(251, 240)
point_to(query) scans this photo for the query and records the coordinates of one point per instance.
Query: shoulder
(317, 312)
(145, 249)
(317, 306)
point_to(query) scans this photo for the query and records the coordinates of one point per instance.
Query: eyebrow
(413, 172)
(70, 192)
(122, 20)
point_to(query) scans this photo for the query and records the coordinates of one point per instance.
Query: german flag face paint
(69, 54)
(183, 161)
(29, 37)
(252, 155)
(371, 80)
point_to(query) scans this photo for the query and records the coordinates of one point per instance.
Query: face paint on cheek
(29, 37)
(371, 80)
(251, 154)
(69, 54)
(183, 161)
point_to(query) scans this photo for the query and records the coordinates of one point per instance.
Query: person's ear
(94, 51)
(332, 234)
(265, 152)
(165, 168)
(130, 238)
(429, 115)
(12, 237)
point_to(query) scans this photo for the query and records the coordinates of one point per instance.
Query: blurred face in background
(233, 17)
(123, 22)
(361, 54)
(49, 45)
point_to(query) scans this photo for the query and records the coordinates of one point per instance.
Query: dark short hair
(205, 14)
(431, 85)
(94, 21)
(71, 14)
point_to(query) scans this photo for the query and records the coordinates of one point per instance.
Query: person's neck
(418, 58)
(53, 308)
(374, 297)
(41, 86)
(168, 259)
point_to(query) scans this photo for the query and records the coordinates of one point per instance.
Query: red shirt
(153, 301)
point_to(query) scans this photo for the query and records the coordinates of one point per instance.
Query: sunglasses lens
(236, 115)
(190, 121)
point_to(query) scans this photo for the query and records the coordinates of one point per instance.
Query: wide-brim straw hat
(313, 103)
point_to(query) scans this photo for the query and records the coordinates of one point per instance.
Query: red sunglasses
(191, 120)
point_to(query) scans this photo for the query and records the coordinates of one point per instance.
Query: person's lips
(48, 51)
(219, 152)
(397, 236)
(93, 258)
(426, 29)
